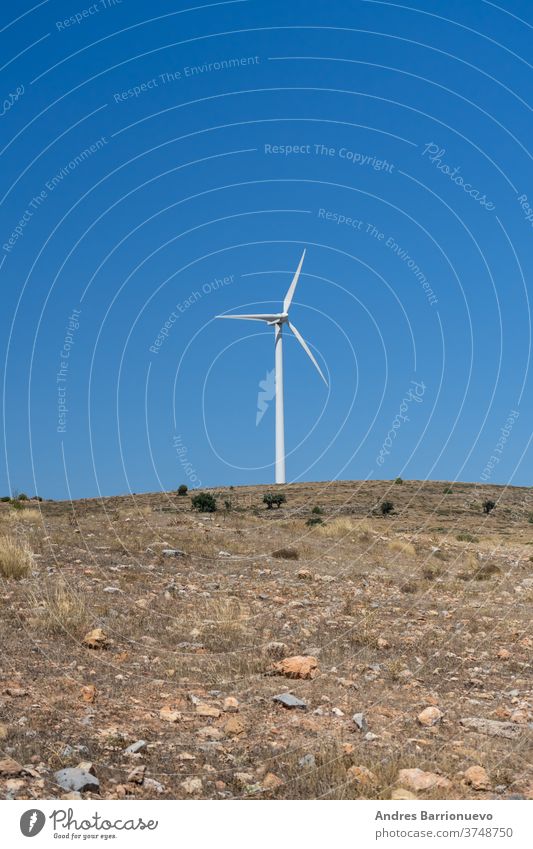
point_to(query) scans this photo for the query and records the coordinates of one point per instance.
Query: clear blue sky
(162, 164)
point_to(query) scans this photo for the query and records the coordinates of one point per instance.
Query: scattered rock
(136, 747)
(209, 732)
(172, 552)
(272, 782)
(417, 779)
(304, 575)
(504, 654)
(234, 726)
(231, 705)
(169, 714)
(478, 778)
(307, 761)
(10, 767)
(207, 710)
(400, 794)
(88, 693)
(492, 727)
(136, 776)
(4, 731)
(383, 643)
(289, 701)
(96, 639)
(299, 666)
(360, 721)
(152, 784)
(430, 716)
(361, 775)
(74, 778)
(243, 779)
(192, 786)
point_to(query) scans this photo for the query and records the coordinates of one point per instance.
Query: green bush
(183, 489)
(271, 498)
(16, 505)
(314, 520)
(317, 511)
(488, 505)
(22, 496)
(398, 480)
(204, 502)
(447, 490)
(386, 507)
(5, 498)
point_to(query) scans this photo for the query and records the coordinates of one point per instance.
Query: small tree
(398, 480)
(271, 498)
(488, 505)
(183, 489)
(23, 497)
(386, 507)
(314, 520)
(204, 502)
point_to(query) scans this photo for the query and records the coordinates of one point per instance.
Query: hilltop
(136, 620)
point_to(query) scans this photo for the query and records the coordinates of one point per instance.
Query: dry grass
(60, 609)
(344, 526)
(16, 557)
(403, 547)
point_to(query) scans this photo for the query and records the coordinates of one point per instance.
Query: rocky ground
(131, 671)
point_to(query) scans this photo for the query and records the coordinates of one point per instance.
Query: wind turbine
(277, 320)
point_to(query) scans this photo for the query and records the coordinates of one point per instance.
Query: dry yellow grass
(15, 557)
(61, 609)
(403, 547)
(344, 526)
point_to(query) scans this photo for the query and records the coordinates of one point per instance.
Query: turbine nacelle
(281, 318)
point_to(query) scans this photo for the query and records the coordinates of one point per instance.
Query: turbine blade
(258, 317)
(288, 297)
(305, 346)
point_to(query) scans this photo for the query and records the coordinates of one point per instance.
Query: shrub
(16, 505)
(227, 506)
(286, 554)
(317, 511)
(447, 490)
(529, 518)
(314, 520)
(398, 480)
(466, 537)
(488, 505)
(22, 496)
(386, 507)
(204, 502)
(183, 489)
(15, 558)
(431, 571)
(5, 498)
(271, 498)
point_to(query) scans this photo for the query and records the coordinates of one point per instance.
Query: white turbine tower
(277, 320)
